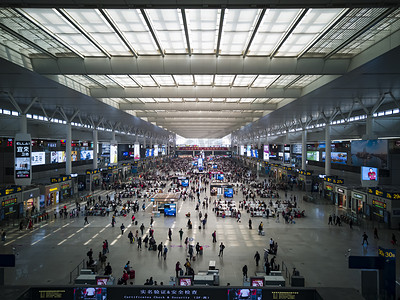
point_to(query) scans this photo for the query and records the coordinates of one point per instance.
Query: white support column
(113, 135)
(304, 149)
(23, 124)
(151, 142)
(327, 149)
(144, 141)
(95, 148)
(369, 128)
(68, 164)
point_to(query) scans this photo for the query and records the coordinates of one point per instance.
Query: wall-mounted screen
(286, 157)
(74, 155)
(185, 281)
(163, 150)
(242, 150)
(254, 153)
(313, 155)
(113, 154)
(253, 294)
(22, 159)
(170, 209)
(86, 154)
(248, 150)
(136, 150)
(228, 192)
(38, 158)
(296, 148)
(369, 173)
(155, 150)
(373, 153)
(266, 152)
(339, 157)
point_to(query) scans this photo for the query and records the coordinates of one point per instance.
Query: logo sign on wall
(22, 159)
(137, 152)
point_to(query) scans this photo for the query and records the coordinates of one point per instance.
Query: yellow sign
(53, 189)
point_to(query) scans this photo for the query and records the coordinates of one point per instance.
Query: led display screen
(38, 158)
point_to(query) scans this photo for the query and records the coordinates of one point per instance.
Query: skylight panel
(305, 80)
(238, 25)
(218, 99)
(133, 100)
(161, 99)
(104, 80)
(244, 80)
(175, 99)
(147, 100)
(311, 25)
(83, 80)
(123, 80)
(56, 24)
(204, 99)
(274, 24)
(204, 79)
(164, 80)
(284, 80)
(261, 100)
(144, 80)
(93, 22)
(232, 100)
(184, 79)
(223, 80)
(246, 100)
(190, 99)
(264, 80)
(203, 27)
(168, 26)
(132, 25)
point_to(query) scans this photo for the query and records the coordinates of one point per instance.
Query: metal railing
(76, 271)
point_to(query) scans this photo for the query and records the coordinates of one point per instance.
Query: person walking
(221, 249)
(250, 224)
(151, 221)
(113, 221)
(257, 258)
(139, 243)
(260, 228)
(394, 240)
(214, 236)
(186, 242)
(107, 250)
(330, 220)
(165, 252)
(197, 248)
(244, 270)
(376, 233)
(122, 228)
(142, 228)
(170, 234)
(130, 236)
(180, 234)
(177, 268)
(271, 244)
(190, 251)
(159, 248)
(86, 221)
(365, 238)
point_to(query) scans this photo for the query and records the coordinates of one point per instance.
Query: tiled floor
(48, 254)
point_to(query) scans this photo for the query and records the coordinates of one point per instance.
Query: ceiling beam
(195, 92)
(151, 29)
(192, 120)
(221, 24)
(201, 115)
(260, 17)
(185, 26)
(192, 4)
(185, 64)
(196, 106)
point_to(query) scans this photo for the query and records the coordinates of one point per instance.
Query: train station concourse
(214, 149)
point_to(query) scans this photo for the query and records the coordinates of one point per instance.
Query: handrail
(76, 268)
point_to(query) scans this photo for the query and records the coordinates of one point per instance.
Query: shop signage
(358, 196)
(203, 148)
(65, 177)
(329, 187)
(339, 190)
(5, 192)
(88, 172)
(53, 189)
(333, 180)
(384, 194)
(55, 179)
(112, 167)
(389, 254)
(306, 173)
(9, 202)
(65, 186)
(379, 204)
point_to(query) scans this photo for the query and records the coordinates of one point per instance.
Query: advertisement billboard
(242, 150)
(313, 155)
(113, 154)
(373, 153)
(38, 158)
(23, 159)
(74, 155)
(136, 151)
(86, 154)
(248, 150)
(266, 152)
(155, 150)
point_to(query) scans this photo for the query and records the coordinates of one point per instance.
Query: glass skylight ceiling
(218, 100)
(90, 32)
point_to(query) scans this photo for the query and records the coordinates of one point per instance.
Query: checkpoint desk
(162, 202)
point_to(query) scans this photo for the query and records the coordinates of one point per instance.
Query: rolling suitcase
(132, 274)
(262, 233)
(199, 227)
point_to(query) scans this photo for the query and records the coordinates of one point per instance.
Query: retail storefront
(341, 197)
(329, 192)
(66, 190)
(358, 202)
(384, 207)
(52, 194)
(30, 199)
(11, 204)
